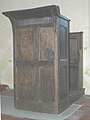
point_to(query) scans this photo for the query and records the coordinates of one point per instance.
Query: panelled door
(34, 60)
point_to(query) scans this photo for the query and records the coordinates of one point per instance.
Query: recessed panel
(25, 44)
(26, 82)
(73, 49)
(47, 83)
(63, 42)
(46, 43)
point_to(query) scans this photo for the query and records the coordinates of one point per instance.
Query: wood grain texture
(47, 84)
(46, 43)
(25, 43)
(74, 49)
(76, 60)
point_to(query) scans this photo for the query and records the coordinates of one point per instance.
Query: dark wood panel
(46, 43)
(25, 75)
(63, 42)
(73, 76)
(63, 82)
(73, 50)
(26, 82)
(25, 91)
(76, 60)
(63, 62)
(25, 43)
(36, 107)
(47, 84)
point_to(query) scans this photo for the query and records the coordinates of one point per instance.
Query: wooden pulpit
(41, 49)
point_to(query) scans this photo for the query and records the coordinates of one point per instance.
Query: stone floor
(8, 117)
(83, 113)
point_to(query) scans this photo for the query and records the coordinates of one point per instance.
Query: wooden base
(49, 108)
(36, 106)
(75, 95)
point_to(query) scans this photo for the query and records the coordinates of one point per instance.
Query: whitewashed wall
(76, 10)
